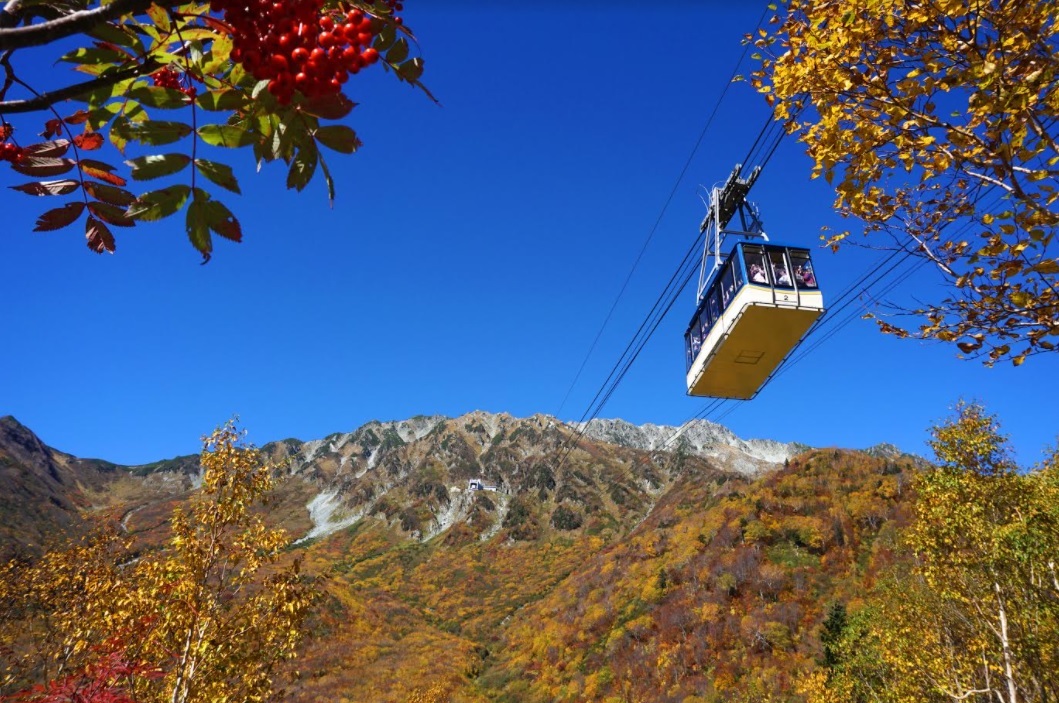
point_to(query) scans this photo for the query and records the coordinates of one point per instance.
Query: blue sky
(469, 261)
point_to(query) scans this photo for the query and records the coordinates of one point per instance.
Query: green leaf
(99, 117)
(154, 132)
(99, 238)
(259, 88)
(59, 217)
(206, 215)
(95, 57)
(328, 180)
(222, 100)
(302, 167)
(411, 70)
(220, 174)
(338, 137)
(62, 187)
(116, 34)
(160, 16)
(144, 168)
(159, 204)
(155, 96)
(222, 221)
(225, 135)
(398, 53)
(385, 38)
(198, 228)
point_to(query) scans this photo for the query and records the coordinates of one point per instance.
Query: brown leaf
(329, 107)
(99, 237)
(59, 217)
(61, 187)
(42, 167)
(52, 149)
(111, 213)
(109, 194)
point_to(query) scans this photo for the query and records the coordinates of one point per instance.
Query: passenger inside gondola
(806, 277)
(803, 269)
(757, 274)
(780, 272)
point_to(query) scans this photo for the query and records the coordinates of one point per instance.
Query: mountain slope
(602, 566)
(43, 492)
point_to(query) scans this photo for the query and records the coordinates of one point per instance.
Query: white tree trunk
(1005, 645)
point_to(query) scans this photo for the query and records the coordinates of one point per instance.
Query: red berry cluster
(294, 46)
(9, 151)
(395, 7)
(168, 78)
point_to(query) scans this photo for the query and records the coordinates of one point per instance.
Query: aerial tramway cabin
(754, 306)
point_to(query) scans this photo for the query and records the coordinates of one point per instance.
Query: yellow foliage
(205, 619)
(932, 132)
(974, 614)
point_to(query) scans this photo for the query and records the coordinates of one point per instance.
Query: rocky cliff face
(414, 473)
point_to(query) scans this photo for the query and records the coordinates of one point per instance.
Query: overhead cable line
(683, 274)
(661, 215)
(859, 288)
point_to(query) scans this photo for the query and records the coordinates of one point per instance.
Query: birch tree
(207, 618)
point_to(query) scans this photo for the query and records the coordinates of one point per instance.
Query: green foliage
(143, 58)
(565, 518)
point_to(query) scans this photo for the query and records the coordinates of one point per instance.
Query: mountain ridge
(596, 571)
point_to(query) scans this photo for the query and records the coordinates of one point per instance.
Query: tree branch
(45, 100)
(74, 23)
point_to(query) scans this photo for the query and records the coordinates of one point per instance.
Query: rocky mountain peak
(699, 437)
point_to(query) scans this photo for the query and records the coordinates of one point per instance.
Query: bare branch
(45, 100)
(75, 23)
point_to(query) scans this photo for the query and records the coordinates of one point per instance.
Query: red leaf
(102, 171)
(52, 128)
(59, 217)
(48, 187)
(99, 237)
(78, 117)
(89, 141)
(216, 25)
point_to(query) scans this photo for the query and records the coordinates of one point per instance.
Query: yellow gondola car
(753, 311)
